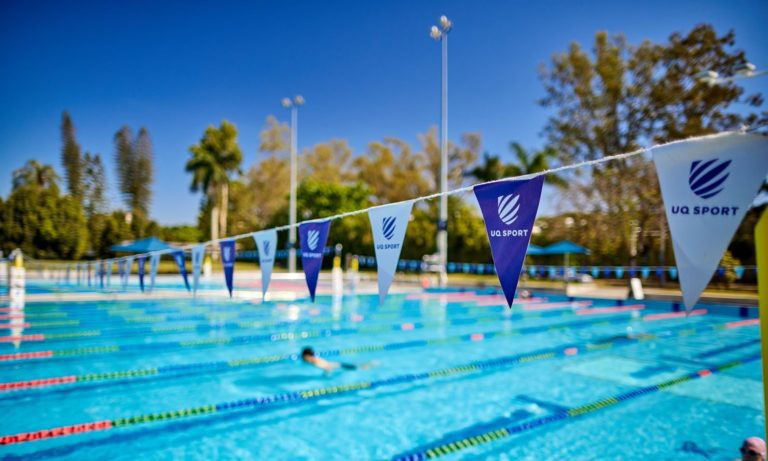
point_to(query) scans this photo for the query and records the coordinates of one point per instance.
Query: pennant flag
(739, 270)
(69, 270)
(198, 252)
(228, 261)
(90, 270)
(154, 261)
(313, 236)
(121, 270)
(109, 272)
(266, 243)
(595, 272)
(388, 224)
(509, 211)
(645, 271)
(128, 268)
(707, 185)
(102, 270)
(141, 260)
(178, 256)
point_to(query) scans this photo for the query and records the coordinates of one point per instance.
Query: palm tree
(34, 173)
(492, 167)
(214, 158)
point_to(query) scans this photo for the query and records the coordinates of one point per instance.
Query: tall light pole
(293, 105)
(441, 33)
(743, 71)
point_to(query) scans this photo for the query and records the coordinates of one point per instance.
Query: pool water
(452, 374)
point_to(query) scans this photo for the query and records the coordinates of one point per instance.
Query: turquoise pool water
(456, 375)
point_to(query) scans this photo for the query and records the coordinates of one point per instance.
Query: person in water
(753, 449)
(308, 356)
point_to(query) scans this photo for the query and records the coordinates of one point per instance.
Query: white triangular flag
(198, 253)
(388, 223)
(154, 262)
(266, 243)
(707, 185)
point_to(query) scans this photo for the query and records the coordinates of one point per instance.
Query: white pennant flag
(388, 224)
(127, 272)
(109, 272)
(154, 261)
(707, 185)
(266, 243)
(198, 253)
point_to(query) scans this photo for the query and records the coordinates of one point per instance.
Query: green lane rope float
(311, 394)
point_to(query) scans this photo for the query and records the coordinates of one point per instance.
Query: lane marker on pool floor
(278, 336)
(126, 332)
(332, 391)
(224, 365)
(486, 436)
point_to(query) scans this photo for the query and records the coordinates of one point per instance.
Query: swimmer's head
(307, 352)
(753, 449)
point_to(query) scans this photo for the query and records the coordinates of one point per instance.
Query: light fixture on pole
(293, 105)
(742, 71)
(441, 33)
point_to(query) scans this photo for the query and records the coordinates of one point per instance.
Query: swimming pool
(457, 375)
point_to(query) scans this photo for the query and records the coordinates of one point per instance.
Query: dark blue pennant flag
(178, 256)
(228, 261)
(313, 236)
(509, 210)
(141, 260)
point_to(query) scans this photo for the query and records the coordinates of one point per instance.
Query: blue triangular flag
(313, 236)
(509, 211)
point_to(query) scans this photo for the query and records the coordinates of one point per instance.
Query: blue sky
(367, 69)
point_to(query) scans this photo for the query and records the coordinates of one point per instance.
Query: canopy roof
(143, 246)
(534, 250)
(565, 247)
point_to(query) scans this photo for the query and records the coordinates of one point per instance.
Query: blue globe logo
(706, 178)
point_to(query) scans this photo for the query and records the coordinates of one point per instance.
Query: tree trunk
(223, 212)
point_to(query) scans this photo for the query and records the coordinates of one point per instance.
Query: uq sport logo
(312, 238)
(265, 244)
(388, 227)
(507, 207)
(706, 178)
(227, 255)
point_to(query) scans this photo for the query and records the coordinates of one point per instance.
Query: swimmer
(753, 449)
(308, 356)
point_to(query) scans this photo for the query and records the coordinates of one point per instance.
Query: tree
(70, 157)
(493, 168)
(328, 162)
(133, 158)
(274, 137)
(35, 174)
(623, 97)
(393, 172)
(214, 158)
(459, 157)
(94, 185)
(43, 223)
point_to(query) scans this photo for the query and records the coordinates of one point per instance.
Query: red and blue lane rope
(332, 391)
(488, 436)
(272, 337)
(199, 328)
(264, 360)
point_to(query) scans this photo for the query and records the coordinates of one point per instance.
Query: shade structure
(143, 246)
(565, 247)
(534, 250)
